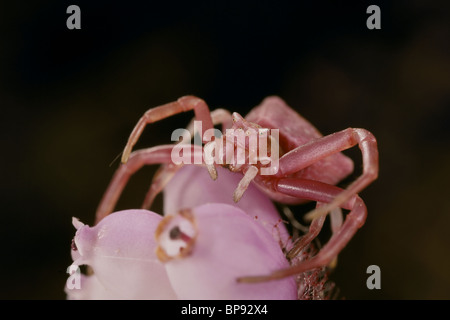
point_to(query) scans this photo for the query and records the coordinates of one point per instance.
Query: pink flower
(197, 251)
(121, 252)
(192, 186)
(227, 244)
(194, 254)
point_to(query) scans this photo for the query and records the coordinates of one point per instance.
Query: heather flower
(198, 250)
(120, 250)
(192, 186)
(195, 254)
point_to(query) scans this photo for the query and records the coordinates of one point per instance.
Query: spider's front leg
(183, 104)
(138, 159)
(161, 178)
(306, 155)
(166, 172)
(322, 192)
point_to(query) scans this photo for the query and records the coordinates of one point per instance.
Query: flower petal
(192, 186)
(121, 251)
(91, 289)
(229, 244)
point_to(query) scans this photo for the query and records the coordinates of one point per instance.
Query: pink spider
(309, 167)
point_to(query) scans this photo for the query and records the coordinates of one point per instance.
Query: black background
(69, 99)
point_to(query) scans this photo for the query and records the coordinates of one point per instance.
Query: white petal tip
(77, 223)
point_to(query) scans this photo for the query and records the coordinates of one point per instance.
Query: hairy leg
(183, 104)
(166, 172)
(322, 192)
(138, 159)
(305, 155)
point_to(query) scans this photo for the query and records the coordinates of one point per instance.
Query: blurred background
(70, 98)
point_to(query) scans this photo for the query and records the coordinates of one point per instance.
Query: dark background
(70, 98)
